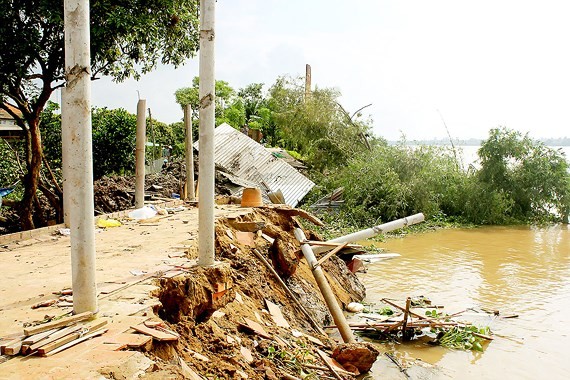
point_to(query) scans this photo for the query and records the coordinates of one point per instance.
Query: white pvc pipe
(370, 232)
(140, 153)
(76, 127)
(206, 233)
(190, 194)
(326, 291)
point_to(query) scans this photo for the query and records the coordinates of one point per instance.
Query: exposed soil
(209, 308)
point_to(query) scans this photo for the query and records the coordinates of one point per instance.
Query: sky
(474, 65)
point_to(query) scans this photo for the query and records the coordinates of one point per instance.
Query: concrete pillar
(140, 153)
(206, 233)
(76, 140)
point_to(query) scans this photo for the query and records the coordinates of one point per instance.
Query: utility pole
(190, 194)
(206, 232)
(78, 156)
(307, 82)
(140, 153)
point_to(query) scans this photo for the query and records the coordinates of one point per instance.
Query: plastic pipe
(190, 194)
(370, 232)
(140, 153)
(328, 295)
(207, 120)
(76, 129)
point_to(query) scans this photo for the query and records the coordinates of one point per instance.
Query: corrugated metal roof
(245, 158)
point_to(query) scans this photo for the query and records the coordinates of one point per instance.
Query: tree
(224, 99)
(534, 178)
(316, 127)
(128, 38)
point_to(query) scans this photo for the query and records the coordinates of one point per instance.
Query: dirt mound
(228, 316)
(117, 193)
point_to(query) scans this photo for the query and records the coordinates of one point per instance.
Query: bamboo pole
(373, 231)
(190, 193)
(77, 140)
(325, 288)
(207, 120)
(140, 153)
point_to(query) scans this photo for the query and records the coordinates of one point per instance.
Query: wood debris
(50, 338)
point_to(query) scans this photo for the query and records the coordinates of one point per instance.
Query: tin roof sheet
(245, 158)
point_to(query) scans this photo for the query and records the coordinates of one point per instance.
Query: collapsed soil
(209, 307)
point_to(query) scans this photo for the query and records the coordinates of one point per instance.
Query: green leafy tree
(392, 182)
(114, 135)
(225, 97)
(317, 127)
(128, 38)
(534, 178)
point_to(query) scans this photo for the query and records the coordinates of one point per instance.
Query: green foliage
(114, 133)
(386, 311)
(318, 128)
(520, 181)
(50, 120)
(395, 181)
(532, 179)
(463, 338)
(9, 170)
(228, 108)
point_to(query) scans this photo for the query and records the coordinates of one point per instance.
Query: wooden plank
(131, 340)
(329, 244)
(302, 213)
(59, 323)
(37, 337)
(158, 335)
(86, 329)
(328, 255)
(52, 338)
(76, 341)
(112, 346)
(10, 343)
(13, 348)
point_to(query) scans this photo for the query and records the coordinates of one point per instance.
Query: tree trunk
(34, 153)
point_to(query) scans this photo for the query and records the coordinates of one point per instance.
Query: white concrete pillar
(140, 153)
(206, 182)
(76, 140)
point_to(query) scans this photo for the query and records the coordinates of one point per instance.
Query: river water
(522, 270)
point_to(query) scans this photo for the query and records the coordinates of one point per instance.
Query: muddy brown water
(520, 270)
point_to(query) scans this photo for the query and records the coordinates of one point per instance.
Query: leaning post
(206, 232)
(326, 291)
(77, 140)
